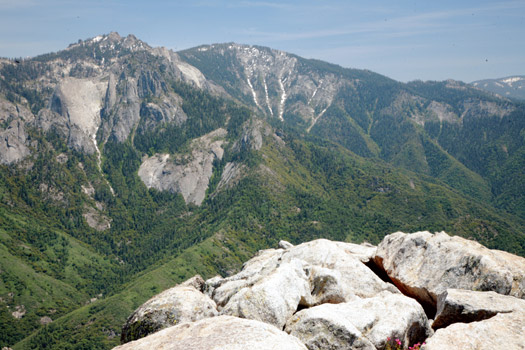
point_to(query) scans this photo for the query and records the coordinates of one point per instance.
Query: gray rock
(347, 260)
(285, 245)
(167, 109)
(504, 331)
(264, 263)
(183, 303)
(334, 271)
(361, 323)
(458, 305)
(96, 219)
(326, 287)
(127, 113)
(188, 175)
(274, 298)
(78, 102)
(424, 265)
(13, 139)
(233, 172)
(219, 333)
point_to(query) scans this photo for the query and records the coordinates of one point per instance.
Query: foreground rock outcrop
(183, 303)
(363, 323)
(423, 265)
(326, 295)
(218, 333)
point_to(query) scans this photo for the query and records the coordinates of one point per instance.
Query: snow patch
(253, 92)
(283, 98)
(512, 80)
(314, 121)
(267, 97)
(315, 91)
(97, 39)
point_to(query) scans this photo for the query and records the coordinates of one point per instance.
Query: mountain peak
(112, 41)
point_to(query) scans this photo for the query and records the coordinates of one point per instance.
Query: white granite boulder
(273, 299)
(218, 333)
(423, 265)
(504, 331)
(465, 306)
(183, 303)
(363, 323)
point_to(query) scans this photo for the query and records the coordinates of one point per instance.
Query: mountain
(511, 87)
(126, 169)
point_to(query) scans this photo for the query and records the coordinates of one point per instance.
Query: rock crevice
(326, 295)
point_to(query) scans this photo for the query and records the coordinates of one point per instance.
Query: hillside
(127, 169)
(510, 87)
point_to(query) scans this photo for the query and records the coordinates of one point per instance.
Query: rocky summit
(419, 288)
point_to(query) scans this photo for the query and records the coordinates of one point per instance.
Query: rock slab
(218, 333)
(183, 303)
(424, 265)
(363, 323)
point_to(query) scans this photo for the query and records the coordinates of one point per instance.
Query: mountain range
(511, 87)
(126, 169)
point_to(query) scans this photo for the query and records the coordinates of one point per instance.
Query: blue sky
(405, 40)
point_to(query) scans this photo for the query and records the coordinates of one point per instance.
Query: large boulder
(502, 332)
(363, 323)
(347, 261)
(423, 265)
(334, 271)
(261, 265)
(183, 303)
(218, 333)
(458, 305)
(273, 299)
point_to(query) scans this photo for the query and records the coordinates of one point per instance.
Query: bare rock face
(185, 174)
(96, 219)
(465, 306)
(127, 114)
(183, 303)
(77, 104)
(424, 265)
(361, 323)
(277, 84)
(218, 333)
(13, 138)
(167, 110)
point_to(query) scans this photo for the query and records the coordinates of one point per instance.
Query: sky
(404, 40)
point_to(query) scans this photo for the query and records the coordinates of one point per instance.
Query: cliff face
(415, 288)
(188, 174)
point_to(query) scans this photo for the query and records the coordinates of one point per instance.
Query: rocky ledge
(446, 292)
